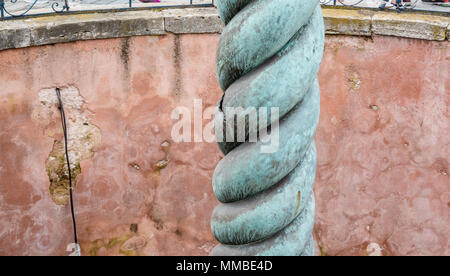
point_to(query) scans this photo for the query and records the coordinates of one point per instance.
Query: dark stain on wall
(177, 84)
(125, 52)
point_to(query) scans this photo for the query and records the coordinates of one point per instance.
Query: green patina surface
(268, 56)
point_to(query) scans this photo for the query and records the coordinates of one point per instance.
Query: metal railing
(5, 12)
(348, 3)
(62, 6)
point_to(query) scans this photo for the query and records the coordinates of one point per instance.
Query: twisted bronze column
(269, 56)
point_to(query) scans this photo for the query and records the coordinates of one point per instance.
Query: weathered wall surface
(136, 174)
(383, 148)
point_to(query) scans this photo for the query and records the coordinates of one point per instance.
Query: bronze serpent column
(268, 57)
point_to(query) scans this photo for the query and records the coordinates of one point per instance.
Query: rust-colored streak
(299, 201)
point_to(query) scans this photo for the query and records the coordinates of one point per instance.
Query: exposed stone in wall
(374, 249)
(83, 137)
(448, 32)
(188, 21)
(353, 78)
(411, 25)
(348, 22)
(128, 245)
(364, 22)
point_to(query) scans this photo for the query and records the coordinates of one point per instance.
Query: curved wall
(383, 149)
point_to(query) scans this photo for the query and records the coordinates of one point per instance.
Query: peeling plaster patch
(134, 166)
(160, 165)
(95, 246)
(134, 244)
(83, 137)
(207, 247)
(155, 215)
(163, 163)
(125, 245)
(374, 249)
(353, 78)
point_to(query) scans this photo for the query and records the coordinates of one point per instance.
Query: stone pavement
(415, 4)
(44, 6)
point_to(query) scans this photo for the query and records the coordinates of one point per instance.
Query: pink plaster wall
(383, 146)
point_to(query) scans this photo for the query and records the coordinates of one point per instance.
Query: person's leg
(400, 5)
(385, 4)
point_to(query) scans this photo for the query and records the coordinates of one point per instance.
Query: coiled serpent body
(268, 56)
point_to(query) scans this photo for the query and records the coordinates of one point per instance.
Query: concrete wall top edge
(53, 29)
